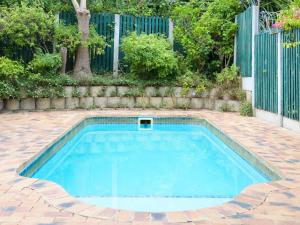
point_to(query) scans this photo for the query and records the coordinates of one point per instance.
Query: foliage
(226, 108)
(26, 27)
(10, 74)
(190, 80)
(45, 64)
(134, 92)
(206, 31)
(68, 36)
(238, 94)
(246, 109)
(133, 7)
(228, 78)
(10, 70)
(289, 18)
(149, 56)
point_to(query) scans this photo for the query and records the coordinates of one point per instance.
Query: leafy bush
(289, 19)
(191, 80)
(228, 78)
(206, 31)
(149, 56)
(11, 72)
(226, 108)
(67, 36)
(26, 27)
(45, 64)
(246, 109)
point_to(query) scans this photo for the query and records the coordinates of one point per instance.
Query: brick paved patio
(30, 201)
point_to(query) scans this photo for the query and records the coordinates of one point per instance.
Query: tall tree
(82, 65)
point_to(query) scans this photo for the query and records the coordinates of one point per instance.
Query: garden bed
(89, 97)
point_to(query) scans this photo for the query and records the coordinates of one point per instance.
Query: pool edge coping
(56, 196)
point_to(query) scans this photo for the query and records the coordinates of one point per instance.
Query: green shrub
(238, 94)
(10, 70)
(205, 31)
(68, 36)
(289, 18)
(246, 109)
(11, 74)
(134, 92)
(191, 80)
(228, 78)
(226, 108)
(8, 90)
(26, 27)
(45, 64)
(149, 56)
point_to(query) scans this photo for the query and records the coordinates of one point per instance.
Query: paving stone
(27, 201)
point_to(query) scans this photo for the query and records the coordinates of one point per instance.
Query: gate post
(116, 45)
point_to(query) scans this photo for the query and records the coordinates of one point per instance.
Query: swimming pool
(171, 164)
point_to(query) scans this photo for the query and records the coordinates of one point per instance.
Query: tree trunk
(64, 54)
(82, 67)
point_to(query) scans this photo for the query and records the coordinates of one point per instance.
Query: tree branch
(76, 5)
(83, 4)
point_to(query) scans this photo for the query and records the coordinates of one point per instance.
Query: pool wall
(29, 167)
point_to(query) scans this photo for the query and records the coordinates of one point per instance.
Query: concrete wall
(121, 97)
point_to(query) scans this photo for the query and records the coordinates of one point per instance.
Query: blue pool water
(172, 167)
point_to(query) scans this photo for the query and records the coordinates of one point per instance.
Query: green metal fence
(244, 43)
(104, 24)
(291, 75)
(266, 86)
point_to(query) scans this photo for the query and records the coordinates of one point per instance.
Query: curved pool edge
(250, 198)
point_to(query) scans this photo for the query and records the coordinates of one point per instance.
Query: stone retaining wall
(120, 97)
